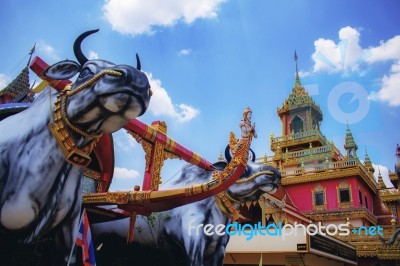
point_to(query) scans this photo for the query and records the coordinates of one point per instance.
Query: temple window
(345, 199)
(366, 202)
(297, 125)
(318, 198)
(360, 197)
(344, 195)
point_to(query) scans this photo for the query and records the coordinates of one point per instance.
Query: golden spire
(367, 162)
(380, 179)
(31, 53)
(297, 83)
(350, 145)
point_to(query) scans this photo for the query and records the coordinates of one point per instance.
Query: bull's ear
(62, 70)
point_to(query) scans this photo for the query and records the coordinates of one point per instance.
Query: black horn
(138, 65)
(253, 155)
(228, 156)
(77, 46)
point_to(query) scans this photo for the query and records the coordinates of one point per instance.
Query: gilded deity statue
(247, 128)
(247, 132)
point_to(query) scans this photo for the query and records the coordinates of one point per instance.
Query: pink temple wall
(366, 192)
(301, 194)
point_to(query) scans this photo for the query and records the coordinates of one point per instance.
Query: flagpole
(74, 243)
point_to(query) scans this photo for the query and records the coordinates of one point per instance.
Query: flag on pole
(85, 241)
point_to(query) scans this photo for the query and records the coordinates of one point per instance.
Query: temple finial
(31, 53)
(220, 158)
(297, 71)
(380, 179)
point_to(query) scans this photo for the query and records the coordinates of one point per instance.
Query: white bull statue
(42, 152)
(179, 225)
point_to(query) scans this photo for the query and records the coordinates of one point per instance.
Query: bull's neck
(75, 143)
(228, 206)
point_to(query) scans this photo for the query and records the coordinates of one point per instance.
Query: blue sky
(209, 59)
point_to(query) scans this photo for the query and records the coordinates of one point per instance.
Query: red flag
(85, 241)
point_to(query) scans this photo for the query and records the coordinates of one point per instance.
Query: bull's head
(109, 95)
(255, 181)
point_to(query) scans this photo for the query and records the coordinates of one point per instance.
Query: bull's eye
(85, 72)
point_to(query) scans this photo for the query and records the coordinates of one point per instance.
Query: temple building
(19, 90)
(320, 185)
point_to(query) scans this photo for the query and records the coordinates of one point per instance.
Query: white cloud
(184, 52)
(4, 81)
(389, 50)
(93, 55)
(384, 173)
(390, 87)
(138, 17)
(47, 50)
(121, 138)
(131, 141)
(347, 56)
(344, 56)
(124, 173)
(161, 104)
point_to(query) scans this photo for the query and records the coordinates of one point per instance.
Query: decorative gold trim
(232, 141)
(226, 206)
(161, 127)
(390, 195)
(170, 145)
(74, 155)
(342, 187)
(299, 138)
(129, 199)
(318, 189)
(359, 213)
(170, 155)
(250, 178)
(196, 159)
(158, 162)
(92, 174)
(373, 246)
(65, 118)
(326, 174)
(147, 147)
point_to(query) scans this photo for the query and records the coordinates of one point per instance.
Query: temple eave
(314, 175)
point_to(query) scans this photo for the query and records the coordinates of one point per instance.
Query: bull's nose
(131, 77)
(116, 74)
